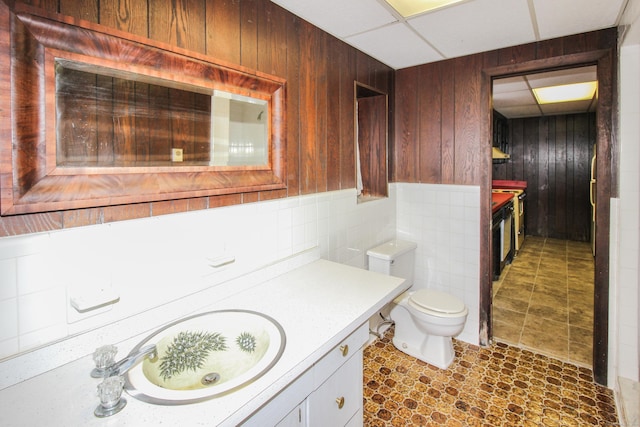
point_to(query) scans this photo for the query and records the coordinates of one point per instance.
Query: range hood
(499, 154)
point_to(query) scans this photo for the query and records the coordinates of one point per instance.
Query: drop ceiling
(464, 28)
(513, 96)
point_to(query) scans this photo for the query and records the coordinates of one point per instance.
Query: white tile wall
(627, 275)
(444, 220)
(159, 266)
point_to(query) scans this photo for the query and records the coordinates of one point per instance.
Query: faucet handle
(103, 357)
(111, 400)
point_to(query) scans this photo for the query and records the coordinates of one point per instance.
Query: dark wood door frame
(606, 176)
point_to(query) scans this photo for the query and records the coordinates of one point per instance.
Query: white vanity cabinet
(295, 418)
(328, 394)
(340, 398)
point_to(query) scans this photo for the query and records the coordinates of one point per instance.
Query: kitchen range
(508, 233)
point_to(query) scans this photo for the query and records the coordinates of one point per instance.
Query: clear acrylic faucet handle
(110, 393)
(105, 356)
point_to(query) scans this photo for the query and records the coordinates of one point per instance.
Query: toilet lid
(437, 301)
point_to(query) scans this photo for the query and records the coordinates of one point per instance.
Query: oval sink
(206, 355)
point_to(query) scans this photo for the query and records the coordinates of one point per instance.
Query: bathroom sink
(206, 355)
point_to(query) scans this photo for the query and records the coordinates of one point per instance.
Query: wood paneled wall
(440, 110)
(319, 69)
(553, 154)
(443, 135)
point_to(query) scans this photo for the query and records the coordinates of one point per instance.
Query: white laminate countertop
(318, 305)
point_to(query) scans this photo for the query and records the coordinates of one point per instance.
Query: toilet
(425, 319)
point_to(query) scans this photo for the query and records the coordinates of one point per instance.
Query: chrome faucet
(107, 367)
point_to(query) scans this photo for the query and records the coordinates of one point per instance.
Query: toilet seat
(436, 302)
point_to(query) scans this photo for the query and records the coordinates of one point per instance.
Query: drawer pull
(344, 349)
(340, 402)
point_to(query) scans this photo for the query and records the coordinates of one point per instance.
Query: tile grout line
(526, 314)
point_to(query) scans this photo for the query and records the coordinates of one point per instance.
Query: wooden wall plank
(272, 39)
(333, 127)
(558, 174)
(130, 16)
(293, 105)
(516, 54)
(223, 30)
(405, 149)
(467, 110)
(429, 122)
(249, 34)
(82, 9)
(448, 143)
(553, 155)
(308, 146)
(179, 23)
(346, 105)
(321, 108)
(48, 5)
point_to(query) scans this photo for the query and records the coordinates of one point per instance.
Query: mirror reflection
(111, 118)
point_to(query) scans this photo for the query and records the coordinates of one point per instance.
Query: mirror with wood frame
(102, 117)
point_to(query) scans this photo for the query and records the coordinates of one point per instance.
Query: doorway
(543, 301)
(605, 171)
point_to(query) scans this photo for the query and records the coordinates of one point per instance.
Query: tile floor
(498, 386)
(543, 301)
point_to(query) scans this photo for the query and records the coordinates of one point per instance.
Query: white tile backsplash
(8, 279)
(8, 319)
(159, 266)
(444, 220)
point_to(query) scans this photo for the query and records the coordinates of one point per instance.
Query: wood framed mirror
(100, 117)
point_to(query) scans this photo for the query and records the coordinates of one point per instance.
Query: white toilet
(425, 319)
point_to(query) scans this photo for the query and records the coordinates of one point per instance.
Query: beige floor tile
(511, 304)
(553, 289)
(552, 281)
(555, 313)
(581, 353)
(549, 300)
(546, 336)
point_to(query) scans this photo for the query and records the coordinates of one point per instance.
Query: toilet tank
(395, 258)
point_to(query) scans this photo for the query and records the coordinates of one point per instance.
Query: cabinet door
(340, 397)
(295, 418)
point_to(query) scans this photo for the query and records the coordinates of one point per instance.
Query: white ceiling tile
(470, 27)
(520, 97)
(339, 17)
(566, 107)
(519, 111)
(398, 45)
(558, 18)
(509, 84)
(560, 77)
(476, 26)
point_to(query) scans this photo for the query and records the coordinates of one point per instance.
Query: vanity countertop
(318, 305)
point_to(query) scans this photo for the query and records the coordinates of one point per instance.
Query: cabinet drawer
(340, 397)
(340, 354)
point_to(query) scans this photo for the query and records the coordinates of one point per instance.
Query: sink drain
(210, 379)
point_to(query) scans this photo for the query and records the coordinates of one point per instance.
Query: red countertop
(509, 185)
(498, 200)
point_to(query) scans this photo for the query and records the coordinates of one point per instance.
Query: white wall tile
(626, 255)
(161, 261)
(8, 319)
(8, 279)
(42, 310)
(444, 221)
